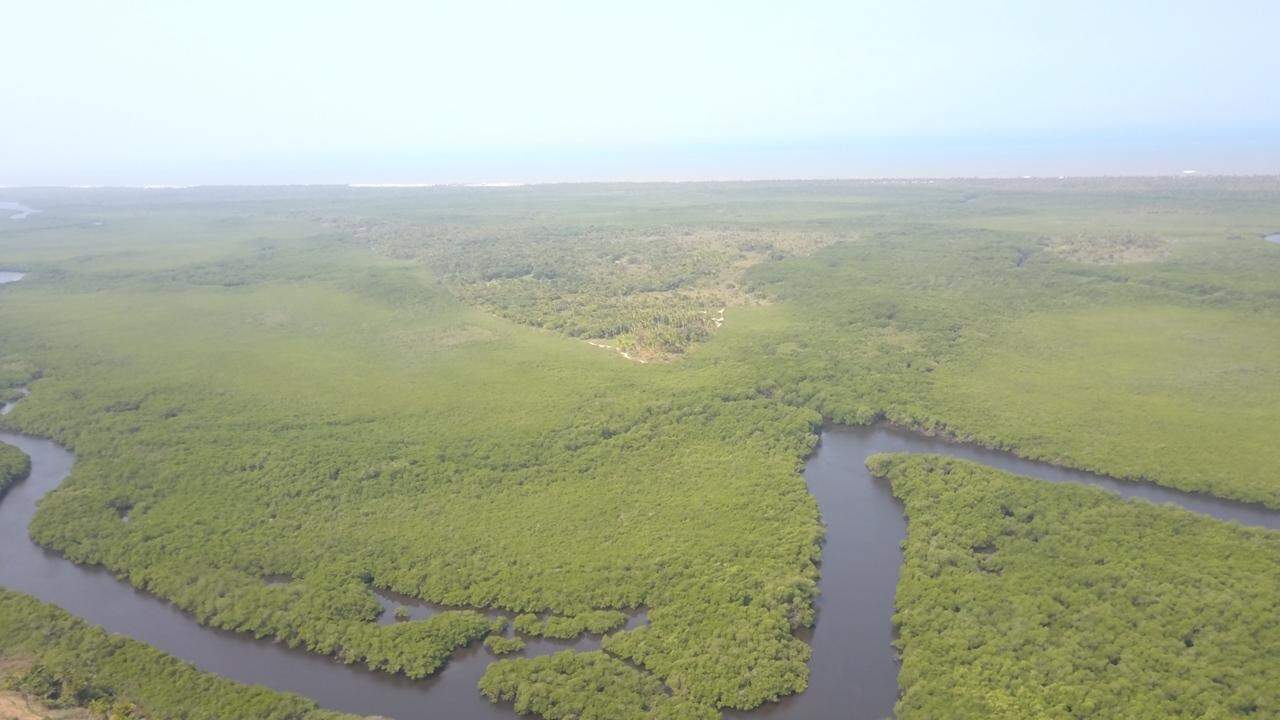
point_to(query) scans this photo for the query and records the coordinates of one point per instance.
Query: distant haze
(425, 92)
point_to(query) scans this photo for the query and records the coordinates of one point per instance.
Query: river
(854, 667)
(854, 670)
(1274, 237)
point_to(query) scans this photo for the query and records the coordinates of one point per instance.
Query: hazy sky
(262, 92)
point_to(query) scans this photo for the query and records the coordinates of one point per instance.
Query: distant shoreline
(1191, 177)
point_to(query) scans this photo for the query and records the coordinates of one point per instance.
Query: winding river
(854, 667)
(854, 670)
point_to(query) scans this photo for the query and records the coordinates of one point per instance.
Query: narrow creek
(854, 667)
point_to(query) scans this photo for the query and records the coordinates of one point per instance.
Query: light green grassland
(1180, 394)
(323, 383)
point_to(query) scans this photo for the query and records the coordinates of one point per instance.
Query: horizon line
(502, 184)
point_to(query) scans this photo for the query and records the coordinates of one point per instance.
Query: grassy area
(1022, 599)
(1159, 370)
(329, 384)
(1183, 395)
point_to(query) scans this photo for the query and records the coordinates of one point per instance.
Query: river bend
(854, 667)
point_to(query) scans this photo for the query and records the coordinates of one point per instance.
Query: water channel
(854, 667)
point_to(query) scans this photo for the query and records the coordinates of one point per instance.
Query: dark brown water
(854, 667)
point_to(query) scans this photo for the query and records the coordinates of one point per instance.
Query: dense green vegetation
(593, 621)
(61, 660)
(499, 645)
(1023, 599)
(652, 290)
(14, 466)
(585, 686)
(325, 384)
(899, 300)
(351, 425)
(1161, 373)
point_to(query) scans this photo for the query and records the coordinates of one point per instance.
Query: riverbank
(854, 665)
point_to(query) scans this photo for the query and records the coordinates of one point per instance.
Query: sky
(230, 92)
